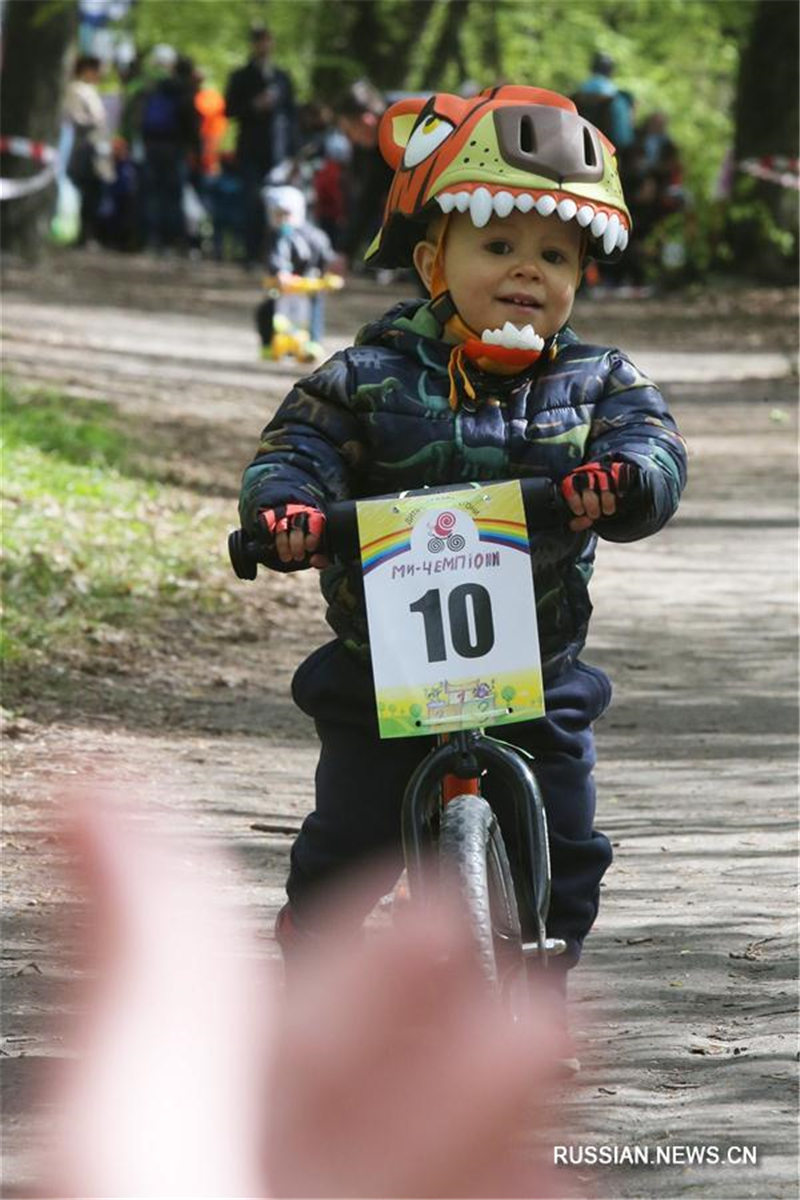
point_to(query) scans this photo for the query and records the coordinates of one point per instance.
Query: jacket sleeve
(632, 424)
(309, 452)
(237, 96)
(290, 112)
(279, 255)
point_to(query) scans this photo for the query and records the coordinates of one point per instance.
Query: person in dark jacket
(497, 200)
(169, 129)
(260, 97)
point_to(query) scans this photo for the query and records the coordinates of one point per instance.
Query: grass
(90, 542)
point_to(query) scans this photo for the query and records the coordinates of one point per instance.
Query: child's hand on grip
(295, 531)
(593, 491)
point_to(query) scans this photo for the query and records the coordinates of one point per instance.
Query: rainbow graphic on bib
(381, 550)
(513, 534)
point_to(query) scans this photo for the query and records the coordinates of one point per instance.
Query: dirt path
(685, 1003)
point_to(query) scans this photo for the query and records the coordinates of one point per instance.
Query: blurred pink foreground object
(387, 1071)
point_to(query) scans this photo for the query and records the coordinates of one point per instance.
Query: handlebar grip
(244, 554)
(341, 532)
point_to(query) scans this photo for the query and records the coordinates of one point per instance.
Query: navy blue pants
(164, 177)
(255, 223)
(360, 781)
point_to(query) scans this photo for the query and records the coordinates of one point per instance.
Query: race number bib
(451, 610)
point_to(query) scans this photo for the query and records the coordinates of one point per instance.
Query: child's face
(279, 218)
(523, 268)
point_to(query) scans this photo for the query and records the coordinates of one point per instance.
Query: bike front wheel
(472, 851)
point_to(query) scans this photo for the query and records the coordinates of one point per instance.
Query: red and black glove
(292, 554)
(618, 478)
(286, 517)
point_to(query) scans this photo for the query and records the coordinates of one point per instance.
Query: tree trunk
(766, 99)
(363, 38)
(37, 35)
(448, 46)
(763, 231)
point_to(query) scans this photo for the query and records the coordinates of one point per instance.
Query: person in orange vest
(210, 104)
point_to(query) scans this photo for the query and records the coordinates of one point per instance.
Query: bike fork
(468, 783)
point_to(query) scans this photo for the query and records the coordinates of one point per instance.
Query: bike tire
(471, 848)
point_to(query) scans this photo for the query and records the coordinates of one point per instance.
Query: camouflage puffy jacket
(376, 419)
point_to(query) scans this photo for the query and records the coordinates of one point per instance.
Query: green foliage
(679, 56)
(90, 544)
(74, 430)
(756, 240)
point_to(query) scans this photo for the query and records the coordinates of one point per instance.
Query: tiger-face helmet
(508, 148)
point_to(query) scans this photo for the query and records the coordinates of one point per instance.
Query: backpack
(596, 107)
(160, 118)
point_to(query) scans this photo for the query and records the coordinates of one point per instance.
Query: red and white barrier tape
(38, 152)
(775, 168)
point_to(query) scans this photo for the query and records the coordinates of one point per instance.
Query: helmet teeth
(610, 235)
(480, 207)
(503, 203)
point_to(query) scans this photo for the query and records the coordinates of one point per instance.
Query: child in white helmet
(297, 250)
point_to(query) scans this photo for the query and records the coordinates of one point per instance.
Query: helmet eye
(427, 137)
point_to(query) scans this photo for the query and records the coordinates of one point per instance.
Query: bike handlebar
(544, 510)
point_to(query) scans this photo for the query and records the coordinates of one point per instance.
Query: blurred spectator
(89, 165)
(330, 210)
(223, 195)
(368, 176)
(210, 104)
(657, 166)
(260, 97)
(195, 215)
(313, 124)
(170, 132)
(188, 78)
(318, 168)
(609, 109)
(654, 188)
(134, 79)
(118, 215)
(296, 248)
